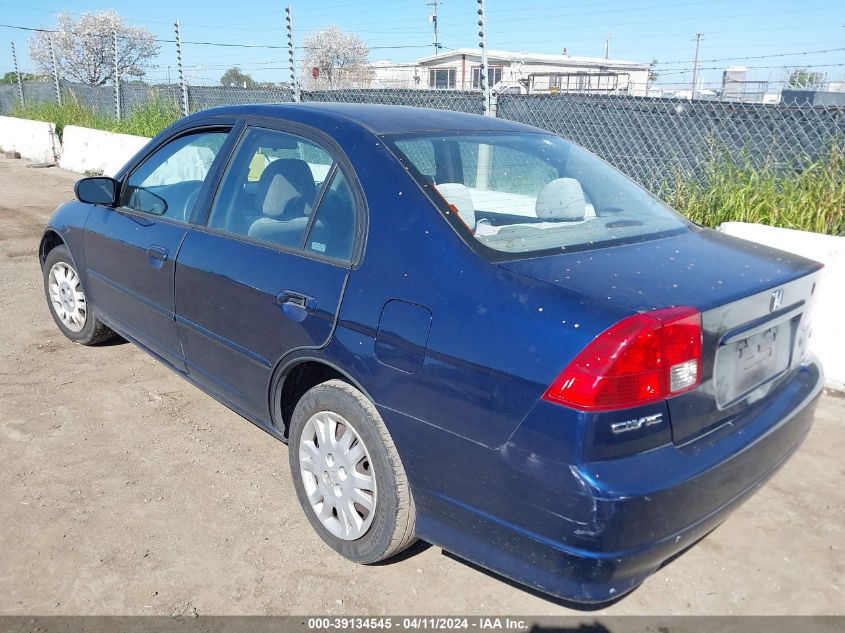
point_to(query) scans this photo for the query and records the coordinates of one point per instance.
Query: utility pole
(293, 82)
(18, 73)
(695, 66)
(182, 83)
(607, 46)
(433, 19)
(116, 78)
(55, 70)
(482, 71)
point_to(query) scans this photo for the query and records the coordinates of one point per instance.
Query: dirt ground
(125, 490)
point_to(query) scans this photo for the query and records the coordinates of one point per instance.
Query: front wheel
(68, 303)
(348, 476)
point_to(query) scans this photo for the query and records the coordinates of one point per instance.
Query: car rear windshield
(526, 193)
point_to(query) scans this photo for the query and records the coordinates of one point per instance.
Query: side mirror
(97, 190)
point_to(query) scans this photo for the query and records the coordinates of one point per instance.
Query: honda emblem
(777, 300)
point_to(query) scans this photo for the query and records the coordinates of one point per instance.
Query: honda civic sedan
(467, 330)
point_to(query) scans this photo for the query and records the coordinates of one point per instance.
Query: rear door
(265, 275)
(130, 251)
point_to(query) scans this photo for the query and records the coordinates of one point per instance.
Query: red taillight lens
(641, 359)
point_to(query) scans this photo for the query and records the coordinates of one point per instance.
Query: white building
(390, 75)
(532, 72)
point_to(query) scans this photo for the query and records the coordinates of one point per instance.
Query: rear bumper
(592, 532)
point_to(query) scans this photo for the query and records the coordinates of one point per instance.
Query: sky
(767, 36)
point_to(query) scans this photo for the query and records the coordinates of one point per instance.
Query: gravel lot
(125, 490)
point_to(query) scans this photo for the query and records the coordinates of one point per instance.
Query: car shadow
(117, 339)
(416, 548)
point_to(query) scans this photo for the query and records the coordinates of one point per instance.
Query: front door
(130, 251)
(266, 275)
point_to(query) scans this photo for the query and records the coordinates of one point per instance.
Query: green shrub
(810, 198)
(69, 113)
(147, 120)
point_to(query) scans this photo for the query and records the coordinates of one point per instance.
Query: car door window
(168, 183)
(333, 230)
(271, 187)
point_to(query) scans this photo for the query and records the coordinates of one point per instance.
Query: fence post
(55, 70)
(18, 74)
(182, 83)
(116, 78)
(482, 71)
(293, 82)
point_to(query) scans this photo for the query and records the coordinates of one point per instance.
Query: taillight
(644, 358)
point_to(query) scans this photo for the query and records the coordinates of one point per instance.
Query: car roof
(378, 119)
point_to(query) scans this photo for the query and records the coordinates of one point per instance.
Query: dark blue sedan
(468, 330)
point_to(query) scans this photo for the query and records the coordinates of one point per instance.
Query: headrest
(457, 195)
(561, 199)
(287, 180)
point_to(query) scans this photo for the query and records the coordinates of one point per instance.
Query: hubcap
(67, 297)
(338, 475)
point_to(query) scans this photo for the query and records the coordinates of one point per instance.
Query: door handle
(158, 253)
(295, 305)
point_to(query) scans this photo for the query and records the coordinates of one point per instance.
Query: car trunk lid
(754, 300)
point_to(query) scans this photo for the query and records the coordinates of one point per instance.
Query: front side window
(272, 189)
(529, 193)
(168, 183)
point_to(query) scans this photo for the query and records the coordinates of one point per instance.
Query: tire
(382, 531)
(77, 322)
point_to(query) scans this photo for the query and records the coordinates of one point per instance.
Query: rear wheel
(348, 476)
(68, 303)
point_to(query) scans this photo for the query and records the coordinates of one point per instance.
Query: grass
(811, 198)
(147, 120)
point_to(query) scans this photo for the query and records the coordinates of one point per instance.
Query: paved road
(125, 490)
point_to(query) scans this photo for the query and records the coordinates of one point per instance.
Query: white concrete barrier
(85, 149)
(828, 339)
(35, 140)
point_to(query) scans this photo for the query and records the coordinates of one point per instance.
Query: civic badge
(777, 300)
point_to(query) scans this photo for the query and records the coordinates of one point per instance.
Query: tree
(340, 58)
(234, 77)
(11, 77)
(803, 78)
(85, 49)
(652, 74)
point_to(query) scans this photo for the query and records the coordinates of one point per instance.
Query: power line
(727, 59)
(784, 67)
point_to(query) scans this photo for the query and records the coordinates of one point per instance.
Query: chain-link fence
(650, 139)
(204, 97)
(462, 101)
(33, 92)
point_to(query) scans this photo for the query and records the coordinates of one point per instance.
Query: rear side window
(272, 189)
(529, 193)
(333, 231)
(168, 182)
